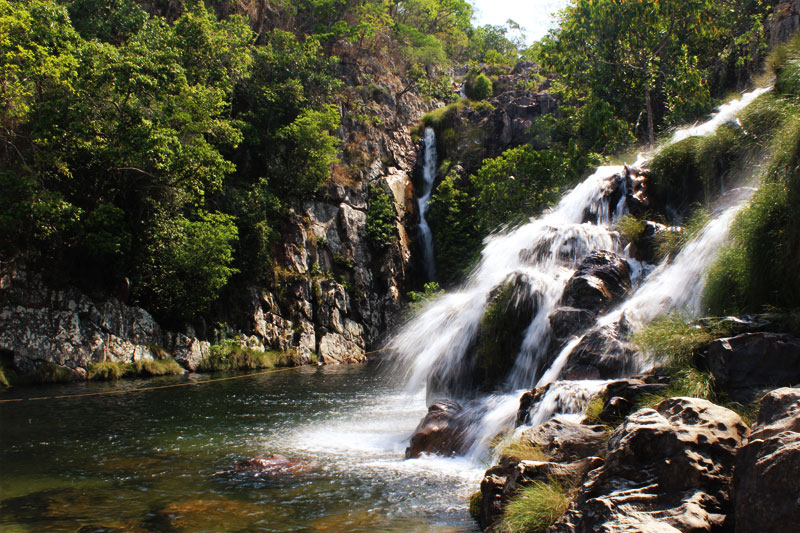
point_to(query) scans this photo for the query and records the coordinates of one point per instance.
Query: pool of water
(162, 460)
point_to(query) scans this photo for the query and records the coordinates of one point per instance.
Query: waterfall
(428, 177)
(547, 252)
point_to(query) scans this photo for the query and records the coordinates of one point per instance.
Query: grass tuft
(630, 228)
(231, 355)
(534, 508)
(475, 501)
(522, 450)
(112, 370)
(3, 380)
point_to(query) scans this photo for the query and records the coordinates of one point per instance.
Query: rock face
(441, 432)
(667, 469)
(785, 21)
(749, 363)
(39, 324)
(766, 484)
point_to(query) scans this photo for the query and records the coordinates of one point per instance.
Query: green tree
(185, 263)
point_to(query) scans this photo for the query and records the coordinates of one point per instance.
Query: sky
(533, 15)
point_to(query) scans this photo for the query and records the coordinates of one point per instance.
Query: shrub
(417, 300)
(104, 371)
(534, 508)
(381, 230)
(478, 86)
(232, 355)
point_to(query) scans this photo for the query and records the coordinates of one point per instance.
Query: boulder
(563, 440)
(601, 280)
(667, 469)
(603, 353)
(620, 397)
(441, 432)
(766, 478)
(750, 363)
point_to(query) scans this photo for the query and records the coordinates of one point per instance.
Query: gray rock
(441, 432)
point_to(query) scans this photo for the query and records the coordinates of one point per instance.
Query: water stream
(428, 177)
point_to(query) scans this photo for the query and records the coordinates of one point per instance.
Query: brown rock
(667, 469)
(274, 465)
(441, 432)
(766, 481)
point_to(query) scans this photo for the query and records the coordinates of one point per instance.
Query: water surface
(162, 460)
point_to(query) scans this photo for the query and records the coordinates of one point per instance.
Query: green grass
(475, 501)
(630, 228)
(534, 508)
(593, 411)
(670, 243)
(231, 355)
(112, 370)
(522, 450)
(3, 380)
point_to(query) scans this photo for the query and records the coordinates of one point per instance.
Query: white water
(547, 250)
(428, 177)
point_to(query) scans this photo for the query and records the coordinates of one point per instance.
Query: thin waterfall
(428, 177)
(547, 252)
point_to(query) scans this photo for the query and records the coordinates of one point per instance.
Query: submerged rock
(750, 363)
(766, 480)
(441, 432)
(667, 469)
(274, 465)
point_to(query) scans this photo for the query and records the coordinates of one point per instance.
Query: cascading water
(428, 177)
(547, 251)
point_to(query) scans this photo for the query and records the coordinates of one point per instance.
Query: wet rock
(207, 515)
(562, 440)
(601, 280)
(750, 363)
(766, 484)
(275, 465)
(603, 353)
(667, 469)
(441, 432)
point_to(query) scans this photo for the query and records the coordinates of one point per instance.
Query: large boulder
(766, 479)
(750, 363)
(441, 432)
(667, 469)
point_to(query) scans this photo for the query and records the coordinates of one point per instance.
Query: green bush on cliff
(381, 219)
(534, 508)
(478, 86)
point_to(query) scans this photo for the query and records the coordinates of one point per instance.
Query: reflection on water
(163, 460)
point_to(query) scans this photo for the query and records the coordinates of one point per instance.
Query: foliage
(630, 228)
(186, 262)
(669, 243)
(522, 450)
(417, 300)
(758, 270)
(3, 380)
(477, 85)
(381, 230)
(534, 508)
(475, 504)
(659, 60)
(233, 355)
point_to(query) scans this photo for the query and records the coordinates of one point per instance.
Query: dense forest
(164, 142)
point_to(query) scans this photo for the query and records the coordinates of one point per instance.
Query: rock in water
(441, 431)
(275, 464)
(747, 364)
(766, 480)
(667, 469)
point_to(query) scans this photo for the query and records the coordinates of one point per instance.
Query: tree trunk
(651, 129)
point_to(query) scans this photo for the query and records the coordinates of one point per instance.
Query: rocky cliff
(333, 294)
